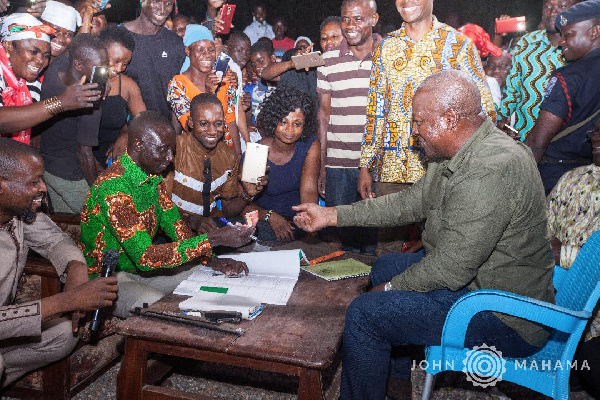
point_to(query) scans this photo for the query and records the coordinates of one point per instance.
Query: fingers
(82, 80)
(242, 267)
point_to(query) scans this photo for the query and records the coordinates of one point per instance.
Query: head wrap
(21, 26)
(61, 15)
(481, 39)
(579, 12)
(194, 33)
(303, 38)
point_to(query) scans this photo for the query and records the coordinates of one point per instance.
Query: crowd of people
(476, 157)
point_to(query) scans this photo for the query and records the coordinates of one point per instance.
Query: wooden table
(300, 339)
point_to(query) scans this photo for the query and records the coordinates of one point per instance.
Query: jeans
(340, 189)
(376, 321)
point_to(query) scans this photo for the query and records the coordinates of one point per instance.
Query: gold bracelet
(53, 105)
(87, 24)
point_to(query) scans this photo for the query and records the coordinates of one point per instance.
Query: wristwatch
(388, 287)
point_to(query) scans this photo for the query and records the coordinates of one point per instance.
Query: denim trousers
(377, 321)
(341, 189)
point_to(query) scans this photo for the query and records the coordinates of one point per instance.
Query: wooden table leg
(310, 385)
(132, 374)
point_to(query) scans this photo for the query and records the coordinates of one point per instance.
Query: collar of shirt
(455, 162)
(135, 175)
(345, 49)
(260, 24)
(435, 26)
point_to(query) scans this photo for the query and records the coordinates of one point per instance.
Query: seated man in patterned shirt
(128, 204)
(573, 215)
(202, 156)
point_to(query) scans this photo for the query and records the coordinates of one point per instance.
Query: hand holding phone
(310, 60)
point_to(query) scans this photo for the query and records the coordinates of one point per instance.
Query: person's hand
(254, 189)
(202, 225)
(4, 5)
(556, 246)
(80, 95)
(215, 3)
(231, 268)
(118, 147)
(365, 184)
(37, 9)
(230, 77)
(412, 247)
(379, 288)
(504, 125)
(212, 82)
(312, 217)
(283, 229)
(231, 236)
(90, 296)
(321, 182)
(246, 101)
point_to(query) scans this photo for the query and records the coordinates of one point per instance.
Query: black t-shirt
(573, 95)
(155, 61)
(62, 133)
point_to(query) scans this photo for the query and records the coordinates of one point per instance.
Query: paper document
(271, 278)
(335, 270)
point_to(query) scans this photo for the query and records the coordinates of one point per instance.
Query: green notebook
(335, 270)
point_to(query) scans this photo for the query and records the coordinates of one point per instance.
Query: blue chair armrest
(558, 276)
(547, 314)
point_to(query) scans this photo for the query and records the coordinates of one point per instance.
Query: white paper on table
(271, 278)
(205, 301)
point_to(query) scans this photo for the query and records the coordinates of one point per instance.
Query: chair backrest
(581, 282)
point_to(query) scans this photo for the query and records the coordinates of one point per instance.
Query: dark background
(304, 16)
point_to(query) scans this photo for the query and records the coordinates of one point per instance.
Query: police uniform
(573, 95)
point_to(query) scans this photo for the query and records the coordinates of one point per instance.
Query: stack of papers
(271, 278)
(203, 301)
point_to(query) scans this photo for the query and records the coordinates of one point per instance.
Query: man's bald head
(151, 142)
(446, 111)
(369, 3)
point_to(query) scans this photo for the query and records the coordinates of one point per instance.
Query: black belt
(552, 160)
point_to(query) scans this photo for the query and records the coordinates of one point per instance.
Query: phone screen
(221, 65)
(99, 76)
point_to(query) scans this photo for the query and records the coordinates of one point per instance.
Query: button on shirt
(16, 239)
(485, 223)
(400, 64)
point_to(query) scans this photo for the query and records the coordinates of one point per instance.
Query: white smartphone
(314, 59)
(255, 162)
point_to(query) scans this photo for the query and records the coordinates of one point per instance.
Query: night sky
(304, 17)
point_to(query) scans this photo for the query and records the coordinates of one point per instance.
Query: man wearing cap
(64, 20)
(535, 57)
(571, 103)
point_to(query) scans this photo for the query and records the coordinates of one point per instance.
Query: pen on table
(228, 223)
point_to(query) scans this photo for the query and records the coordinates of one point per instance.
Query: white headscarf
(20, 26)
(303, 38)
(61, 15)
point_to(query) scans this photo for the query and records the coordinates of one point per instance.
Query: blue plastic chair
(578, 290)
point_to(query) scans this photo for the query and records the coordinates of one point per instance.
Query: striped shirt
(534, 59)
(346, 78)
(188, 178)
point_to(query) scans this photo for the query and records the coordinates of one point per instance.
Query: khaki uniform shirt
(485, 223)
(16, 239)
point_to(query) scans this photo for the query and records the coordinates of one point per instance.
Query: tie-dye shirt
(534, 59)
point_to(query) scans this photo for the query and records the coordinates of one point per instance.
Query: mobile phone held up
(221, 67)
(510, 25)
(99, 76)
(226, 16)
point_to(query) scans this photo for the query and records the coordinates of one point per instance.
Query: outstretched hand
(312, 217)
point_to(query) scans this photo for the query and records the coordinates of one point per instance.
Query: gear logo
(484, 366)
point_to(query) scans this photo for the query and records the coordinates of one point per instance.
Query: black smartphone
(221, 65)
(99, 76)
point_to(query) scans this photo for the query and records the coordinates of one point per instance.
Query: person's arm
(87, 161)
(375, 126)
(235, 137)
(309, 192)
(322, 126)
(467, 235)
(546, 127)
(273, 72)
(180, 105)
(468, 61)
(17, 118)
(241, 119)
(133, 96)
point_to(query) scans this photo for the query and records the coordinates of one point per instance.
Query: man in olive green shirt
(483, 204)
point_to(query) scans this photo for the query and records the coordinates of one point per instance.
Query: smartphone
(314, 59)
(227, 12)
(221, 65)
(510, 25)
(255, 162)
(99, 76)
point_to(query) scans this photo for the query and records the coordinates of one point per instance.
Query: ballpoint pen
(228, 223)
